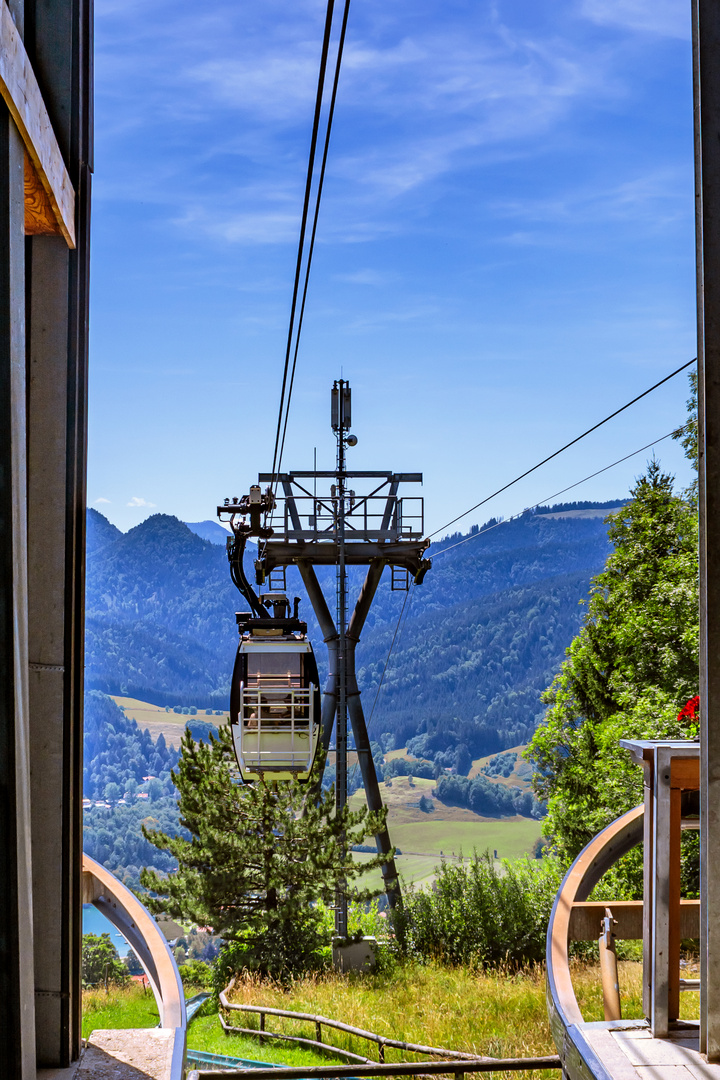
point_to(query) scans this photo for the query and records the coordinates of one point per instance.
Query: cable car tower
(338, 527)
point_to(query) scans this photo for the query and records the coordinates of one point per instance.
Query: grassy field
(501, 1013)
(158, 721)
(448, 830)
(477, 766)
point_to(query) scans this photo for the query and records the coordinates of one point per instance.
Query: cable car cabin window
(274, 694)
(274, 669)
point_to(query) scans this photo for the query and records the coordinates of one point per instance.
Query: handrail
(319, 1021)
(229, 1029)
(123, 909)
(403, 1068)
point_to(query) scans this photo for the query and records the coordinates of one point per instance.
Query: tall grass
(497, 1011)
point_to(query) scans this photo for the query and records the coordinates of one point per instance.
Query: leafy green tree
(687, 435)
(100, 961)
(629, 671)
(258, 858)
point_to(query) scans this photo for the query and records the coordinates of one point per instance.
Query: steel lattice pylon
(341, 529)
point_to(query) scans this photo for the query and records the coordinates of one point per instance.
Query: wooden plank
(21, 93)
(40, 219)
(685, 773)
(612, 1057)
(585, 919)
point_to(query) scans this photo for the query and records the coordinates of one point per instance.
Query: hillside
(481, 638)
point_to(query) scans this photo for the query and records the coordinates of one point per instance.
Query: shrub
(480, 915)
(196, 973)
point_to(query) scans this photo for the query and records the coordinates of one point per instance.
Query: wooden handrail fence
(457, 1062)
(402, 1068)
(324, 1021)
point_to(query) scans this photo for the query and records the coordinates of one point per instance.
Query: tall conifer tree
(257, 858)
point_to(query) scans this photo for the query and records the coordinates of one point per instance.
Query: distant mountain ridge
(479, 641)
(209, 530)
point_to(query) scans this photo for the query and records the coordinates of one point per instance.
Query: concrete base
(128, 1055)
(354, 955)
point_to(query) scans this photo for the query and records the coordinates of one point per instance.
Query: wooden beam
(40, 219)
(586, 917)
(21, 93)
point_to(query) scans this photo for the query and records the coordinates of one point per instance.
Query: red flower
(689, 711)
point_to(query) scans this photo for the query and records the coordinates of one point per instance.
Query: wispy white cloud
(655, 200)
(136, 501)
(365, 277)
(251, 227)
(101, 500)
(277, 88)
(665, 18)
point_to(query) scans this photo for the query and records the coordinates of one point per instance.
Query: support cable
(293, 330)
(331, 113)
(545, 501)
(565, 447)
(384, 670)
(306, 205)
(490, 528)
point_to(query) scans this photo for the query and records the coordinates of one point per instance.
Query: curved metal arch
(123, 909)
(563, 1010)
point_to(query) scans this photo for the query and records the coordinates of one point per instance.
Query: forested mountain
(160, 607)
(126, 783)
(480, 639)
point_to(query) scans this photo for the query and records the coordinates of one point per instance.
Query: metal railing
(276, 726)
(371, 517)
(285, 706)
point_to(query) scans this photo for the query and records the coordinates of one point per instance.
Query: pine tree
(629, 671)
(257, 859)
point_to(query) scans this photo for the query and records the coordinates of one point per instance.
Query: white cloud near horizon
(136, 501)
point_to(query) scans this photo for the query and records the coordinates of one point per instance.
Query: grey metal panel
(706, 28)
(59, 43)
(17, 1016)
(330, 636)
(659, 983)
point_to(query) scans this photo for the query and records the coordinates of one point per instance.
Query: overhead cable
(565, 447)
(482, 532)
(293, 329)
(331, 113)
(545, 501)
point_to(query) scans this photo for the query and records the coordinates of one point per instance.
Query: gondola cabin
(274, 701)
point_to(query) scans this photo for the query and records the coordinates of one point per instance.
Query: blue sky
(505, 250)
